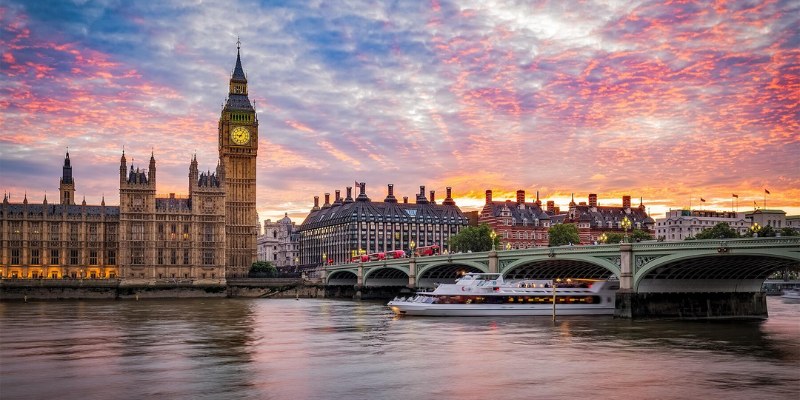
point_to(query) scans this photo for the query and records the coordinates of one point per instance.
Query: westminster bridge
(688, 279)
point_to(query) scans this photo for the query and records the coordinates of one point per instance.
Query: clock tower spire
(238, 147)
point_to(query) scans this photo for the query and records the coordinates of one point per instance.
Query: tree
(787, 231)
(473, 238)
(561, 234)
(613, 237)
(262, 269)
(766, 231)
(720, 231)
(639, 235)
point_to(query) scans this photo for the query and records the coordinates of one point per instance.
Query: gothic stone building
(203, 237)
(337, 231)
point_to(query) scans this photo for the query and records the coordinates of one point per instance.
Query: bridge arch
(342, 278)
(713, 270)
(445, 272)
(561, 266)
(386, 276)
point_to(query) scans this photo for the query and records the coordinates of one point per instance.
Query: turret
(123, 168)
(66, 187)
(151, 175)
(193, 172)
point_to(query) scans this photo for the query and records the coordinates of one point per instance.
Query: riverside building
(203, 237)
(337, 231)
(280, 243)
(520, 224)
(680, 224)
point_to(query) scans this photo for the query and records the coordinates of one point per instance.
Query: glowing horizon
(670, 102)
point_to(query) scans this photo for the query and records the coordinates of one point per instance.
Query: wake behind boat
(479, 294)
(791, 296)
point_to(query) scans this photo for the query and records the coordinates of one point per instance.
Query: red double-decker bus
(427, 250)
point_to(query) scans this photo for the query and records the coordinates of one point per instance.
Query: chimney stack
(327, 200)
(421, 196)
(338, 197)
(405, 199)
(390, 197)
(448, 201)
(551, 205)
(349, 198)
(626, 201)
(592, 199)
(433, 197)
(488, 196)
(362, 192)
(520, 196)
(316, 204)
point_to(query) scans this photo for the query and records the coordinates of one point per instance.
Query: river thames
(335, 349)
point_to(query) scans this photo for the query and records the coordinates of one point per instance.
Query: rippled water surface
(333, 349)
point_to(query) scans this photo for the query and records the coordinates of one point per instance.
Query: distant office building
(279, 243)
(679, 224)
(338, 230)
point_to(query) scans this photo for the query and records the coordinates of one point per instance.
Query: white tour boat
(478, 294)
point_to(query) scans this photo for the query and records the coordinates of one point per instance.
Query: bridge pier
(742, 305)
(412, 272)
(626, 267)
(493, 264)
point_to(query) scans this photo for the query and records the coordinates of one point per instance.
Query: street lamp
(493, 235)
(603, 238)
(324, 258)
(626, 224)
(755, 228)
(508, 246)
(411, 247)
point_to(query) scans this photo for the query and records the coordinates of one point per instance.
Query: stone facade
(279, 243)
(199, 238)
(679, 224)
(337, 231)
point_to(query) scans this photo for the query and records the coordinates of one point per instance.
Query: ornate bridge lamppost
(411, 247)
(755, 228)
(508, 246)
(493, 235)
(626, 224)
(603, 238)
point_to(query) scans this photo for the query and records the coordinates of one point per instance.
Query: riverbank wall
(91, 289)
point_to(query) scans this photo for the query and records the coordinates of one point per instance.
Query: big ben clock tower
(238, 145)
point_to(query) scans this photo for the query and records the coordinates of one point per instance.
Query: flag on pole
(766, 191)
(703, 200)
(735, 195)
(755, 204)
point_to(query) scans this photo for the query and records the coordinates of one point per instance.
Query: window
(73, 257)
(112, 258)
(92, 257)
(54, 257)
(185, 256)
(35, 257)
(15, 256)
(173, 257)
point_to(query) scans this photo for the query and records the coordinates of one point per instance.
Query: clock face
(240, 135)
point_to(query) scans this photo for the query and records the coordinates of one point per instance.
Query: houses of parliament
(204, 237)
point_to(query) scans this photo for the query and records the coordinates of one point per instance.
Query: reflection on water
(322, 349)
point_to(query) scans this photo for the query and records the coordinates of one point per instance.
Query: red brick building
(520, 224)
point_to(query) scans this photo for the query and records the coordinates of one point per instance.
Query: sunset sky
(670, 101)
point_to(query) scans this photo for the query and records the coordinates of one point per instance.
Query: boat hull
(495, 310)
